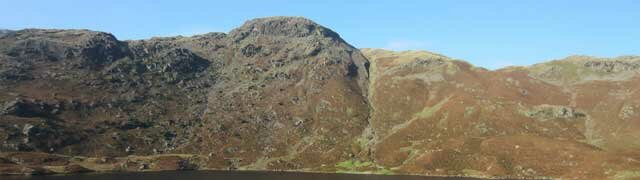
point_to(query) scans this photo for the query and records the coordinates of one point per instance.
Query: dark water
(225, 175)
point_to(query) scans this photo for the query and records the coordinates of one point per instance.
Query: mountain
(285, 93)
(575, 117)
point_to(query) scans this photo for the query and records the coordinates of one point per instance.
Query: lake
(225, 175)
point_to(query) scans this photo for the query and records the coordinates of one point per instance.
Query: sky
(488, 33)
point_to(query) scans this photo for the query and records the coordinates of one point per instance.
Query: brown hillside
(285, 93)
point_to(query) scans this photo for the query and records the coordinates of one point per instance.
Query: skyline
(491, 34)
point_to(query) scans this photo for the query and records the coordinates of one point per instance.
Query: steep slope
(275, 93)
(436, 115)
(289, 97)
(86, 93)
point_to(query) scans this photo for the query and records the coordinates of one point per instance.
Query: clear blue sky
(487, 33)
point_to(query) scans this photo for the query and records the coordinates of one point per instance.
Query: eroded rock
(549, 112)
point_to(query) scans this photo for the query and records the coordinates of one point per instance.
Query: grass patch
(353, 164)
(366, 167)
(624, 175)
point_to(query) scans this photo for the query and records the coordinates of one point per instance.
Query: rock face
(580, 69)
(284, 93)
(291, 91)
(275, 93)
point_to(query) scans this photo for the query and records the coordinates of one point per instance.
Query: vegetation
(355, 166)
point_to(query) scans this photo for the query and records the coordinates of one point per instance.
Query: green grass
(624, 175)
(384, 171)
(350, 164)
(353, 166)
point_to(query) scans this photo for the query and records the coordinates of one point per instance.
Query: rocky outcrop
(581, 69)
(291, 90)
(29, 108)
(80, 48)
(549, 112)
(275, 93)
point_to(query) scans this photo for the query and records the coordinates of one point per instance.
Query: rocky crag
(284, 93)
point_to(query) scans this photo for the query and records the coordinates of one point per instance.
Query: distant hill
(4, 31)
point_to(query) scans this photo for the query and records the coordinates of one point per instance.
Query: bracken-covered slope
(573, 118)
(284, 93)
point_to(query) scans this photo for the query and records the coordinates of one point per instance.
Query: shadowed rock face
(286, 93)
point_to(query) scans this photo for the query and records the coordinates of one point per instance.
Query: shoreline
(44, 164)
